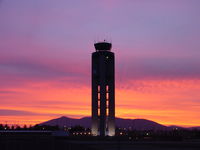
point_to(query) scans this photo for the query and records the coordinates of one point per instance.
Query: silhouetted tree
(6, 127)
(18, 128)
(24, 127)
(1, 127)
(77, 129)
(45, 127)
(12, 127)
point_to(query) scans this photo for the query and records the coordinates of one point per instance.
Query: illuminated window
(98, 112)
(107, 111)
(107, 88)
(107, 104)
(107, 96)
(98, 103)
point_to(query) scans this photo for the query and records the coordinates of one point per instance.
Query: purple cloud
(159, 68)
(8, 112)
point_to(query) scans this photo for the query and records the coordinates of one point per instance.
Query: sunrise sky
(45, 58)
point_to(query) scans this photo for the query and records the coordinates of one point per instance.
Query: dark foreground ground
(46, 142)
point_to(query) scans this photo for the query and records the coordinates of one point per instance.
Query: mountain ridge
(136, 124)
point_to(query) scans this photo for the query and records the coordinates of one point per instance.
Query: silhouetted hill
(195, 128)
(139, 124)
(69, 122)
(173, 127)
(136, 124)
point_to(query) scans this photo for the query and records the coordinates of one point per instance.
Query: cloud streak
(8, 112)
(159, 68)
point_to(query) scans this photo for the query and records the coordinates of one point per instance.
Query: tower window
(98, 111)
(98, 104)
(107, 112)
(107, 88)
(107, 96)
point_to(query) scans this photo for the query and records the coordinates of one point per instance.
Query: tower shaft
(103, 93)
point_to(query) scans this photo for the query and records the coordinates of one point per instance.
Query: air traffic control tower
(103, 90)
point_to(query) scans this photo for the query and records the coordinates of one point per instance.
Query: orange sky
(164, 101)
